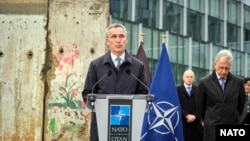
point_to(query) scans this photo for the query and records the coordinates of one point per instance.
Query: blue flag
(162, 120)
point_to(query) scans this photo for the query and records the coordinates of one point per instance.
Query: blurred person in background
(245, 117)
(192, 128)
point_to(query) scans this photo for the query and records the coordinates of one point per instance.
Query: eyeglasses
(115, 36)
(224, 68)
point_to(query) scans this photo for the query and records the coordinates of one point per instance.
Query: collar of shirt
(218, 77)
(113, 57)
(187, 86)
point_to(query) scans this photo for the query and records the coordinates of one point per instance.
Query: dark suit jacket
(118, 82)
(192, 131)
(245, 116)
(216, 107)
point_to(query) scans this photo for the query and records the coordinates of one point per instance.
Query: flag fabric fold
(162, 120)
(141, 55)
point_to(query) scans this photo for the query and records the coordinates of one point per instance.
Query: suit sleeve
(242, 98)
(89, 82)
(201, 100)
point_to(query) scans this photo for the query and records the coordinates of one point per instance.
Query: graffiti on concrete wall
(66, 55)
(67, 111)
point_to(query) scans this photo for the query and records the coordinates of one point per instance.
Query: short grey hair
(224, 54)
(115, 25)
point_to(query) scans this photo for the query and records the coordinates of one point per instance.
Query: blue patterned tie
(189, 90)
(222, 83)
(118, 59)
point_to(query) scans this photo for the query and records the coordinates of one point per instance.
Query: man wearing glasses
(220, 96)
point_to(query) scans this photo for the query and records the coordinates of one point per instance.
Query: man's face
(117, 40)
(188, 78)
(247, 87)
(222, 67)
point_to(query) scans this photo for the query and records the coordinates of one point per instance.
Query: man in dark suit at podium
(116, 72)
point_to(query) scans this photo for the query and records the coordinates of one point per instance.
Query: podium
(120, 117)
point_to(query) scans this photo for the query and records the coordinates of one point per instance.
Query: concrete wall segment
(76, 36)
(22, 90)
(44, 58)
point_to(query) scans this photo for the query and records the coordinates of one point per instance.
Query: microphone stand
(149, 97)
(92, 96)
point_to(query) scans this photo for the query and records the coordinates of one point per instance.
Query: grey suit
(216, 107)
(118, 82)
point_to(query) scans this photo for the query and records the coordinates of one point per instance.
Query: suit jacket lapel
(217, 87)
(184, 89)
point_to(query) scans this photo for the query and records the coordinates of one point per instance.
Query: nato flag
(162, 120)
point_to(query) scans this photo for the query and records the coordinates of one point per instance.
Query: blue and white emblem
(119, 114)
(163, 117)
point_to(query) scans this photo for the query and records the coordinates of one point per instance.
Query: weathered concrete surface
(24, 7)
(76, 36)
(44, 58)
(22, 58)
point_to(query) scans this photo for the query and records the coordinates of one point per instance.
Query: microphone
(149, 97)
(92, 96)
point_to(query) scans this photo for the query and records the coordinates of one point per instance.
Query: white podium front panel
(102, 107)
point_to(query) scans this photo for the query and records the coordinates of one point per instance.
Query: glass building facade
(196, 30)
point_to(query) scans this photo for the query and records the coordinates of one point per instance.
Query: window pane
(233, 36)
(148, 13)
(195, 54)
(194, 25)
(197, 5)
(216, 49)
(130, 45)
(178, 70)
(172, 49)
(247, 29)
(215, 31)
(178, 49)
(237, 63)
(133, 38)
(177, 1)
(199, 73)
(248, 64)
(152, 46)
(200, 55)
(233, 11)
(121, 9)
(178, 54)
(216, 8)
(185, 50)
(172, 17)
